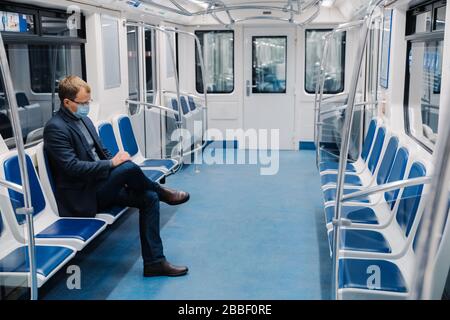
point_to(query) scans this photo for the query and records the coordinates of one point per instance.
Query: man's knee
(129, 168)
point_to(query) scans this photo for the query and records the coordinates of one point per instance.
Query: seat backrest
(184, 105)
(376, 150)
(12, 174)
(192, 103)
(106, 134)
(22, 99)
(49, 171)
(410, 199)
(369, 139)
(1, 224)
(127, 135)
(175, 108)
(388, 161)
(396, 174)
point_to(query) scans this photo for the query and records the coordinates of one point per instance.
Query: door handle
(248, 88)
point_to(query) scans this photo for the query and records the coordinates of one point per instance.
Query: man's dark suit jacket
(72, 164)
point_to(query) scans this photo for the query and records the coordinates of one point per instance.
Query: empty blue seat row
(352, 179)
(382, 176)
(123, 132)
(383, 226)
(350, 167)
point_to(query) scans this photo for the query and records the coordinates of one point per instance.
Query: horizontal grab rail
(388, 187)
(11, 185)
(361, 104)
(151, 105)
(338, 95)
(185, 93)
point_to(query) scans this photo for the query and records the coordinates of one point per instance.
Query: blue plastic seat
(192, 105)
(331, 178)
(153, 175)
(374, 241)
(334, 165)
(353, 274)
(371, 164)
(129, 144)
(330, 195)
(362, 240)
(174, 103)
(184, 105)
(48, 258)
(366, 215)
(357, 214)
(82, 229)
(382, 176)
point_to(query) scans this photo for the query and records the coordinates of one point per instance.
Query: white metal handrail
(320, 82)
(346, 140)
(25, 189)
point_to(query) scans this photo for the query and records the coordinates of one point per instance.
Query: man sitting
(88, 179)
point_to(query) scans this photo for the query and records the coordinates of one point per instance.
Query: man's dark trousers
(128, 186)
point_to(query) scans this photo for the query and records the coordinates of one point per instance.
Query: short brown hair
(70, 86)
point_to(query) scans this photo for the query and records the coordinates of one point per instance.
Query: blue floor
(243, 236)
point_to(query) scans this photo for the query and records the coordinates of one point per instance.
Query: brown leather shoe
(173, 197)
(164, 268)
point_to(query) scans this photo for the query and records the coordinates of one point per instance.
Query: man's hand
(120, 158)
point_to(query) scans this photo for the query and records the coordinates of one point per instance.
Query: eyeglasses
(84, 102)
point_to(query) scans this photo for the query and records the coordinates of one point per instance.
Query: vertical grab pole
(177, 82)
(203, 70)
(205, 89)
(177, 86)
(28, 210)
(346, 142)
(319, 96)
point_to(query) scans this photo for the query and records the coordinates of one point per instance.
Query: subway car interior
(312, 136)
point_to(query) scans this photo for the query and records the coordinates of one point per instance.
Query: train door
(269, 76)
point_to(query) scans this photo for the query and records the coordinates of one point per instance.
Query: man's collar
(68, 113)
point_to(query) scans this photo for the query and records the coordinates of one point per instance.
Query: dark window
(44, 47)
(335, 72)
(218, 52)
(47, 61)
(424, 72)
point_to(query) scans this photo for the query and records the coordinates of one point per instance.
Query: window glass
(425, 72)
(111, 53)
(423, 22)
(57, 25)
(439, 18)
(33, 70)
(386, 49)
(269, 64)
(46, 59)
(335, 72)
(133, 63)
(149, 58)
(218, 54)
